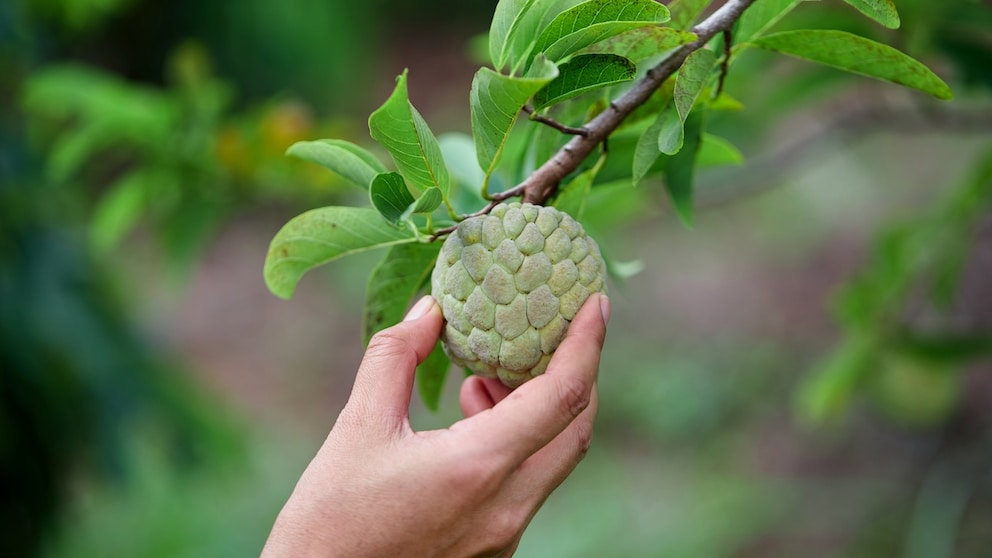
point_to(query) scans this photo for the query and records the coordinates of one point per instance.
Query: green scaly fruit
(509, 283)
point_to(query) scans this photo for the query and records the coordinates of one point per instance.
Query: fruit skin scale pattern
(509, 283)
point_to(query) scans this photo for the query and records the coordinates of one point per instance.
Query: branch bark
(539, 186)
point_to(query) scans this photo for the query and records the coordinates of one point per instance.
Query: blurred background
(804, 373)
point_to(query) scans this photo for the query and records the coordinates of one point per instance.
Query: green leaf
(431, 375)
(119, 209)
(761, 16)
(593, 21)
(398, 127)
(858, 55)
(681, 169)
(390, 196)
(350, 161)
(321, 235)
(394, 283)
(689, 83)
(459, 153)
(826, 393)
(686, 12)
(584, 73)
(691, 79)
(882, 11)
(716, 151)
(642, 43)
(647, 151)
(944, 347)
(428, 201)
(725, 102)
(572, 198)
(671, 134)
(624, 270)
(505, 31)
(495, 102)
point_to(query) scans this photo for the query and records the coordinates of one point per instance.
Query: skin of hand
(378, 488)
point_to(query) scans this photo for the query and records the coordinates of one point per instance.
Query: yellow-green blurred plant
(177, 160)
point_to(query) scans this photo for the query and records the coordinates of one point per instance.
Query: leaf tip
(277, 283)
(944, 92)
(292, 149)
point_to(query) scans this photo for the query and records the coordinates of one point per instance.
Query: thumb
(384, 381)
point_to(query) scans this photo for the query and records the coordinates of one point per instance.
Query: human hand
(377, 488)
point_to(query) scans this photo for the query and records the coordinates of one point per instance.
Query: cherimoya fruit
(509, 283)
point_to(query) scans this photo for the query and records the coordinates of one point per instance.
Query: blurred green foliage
(126, 118)
(76, 376)
(915, 368)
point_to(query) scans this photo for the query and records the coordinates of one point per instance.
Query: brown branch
(543, 182)
(538, 117)
(540, 184)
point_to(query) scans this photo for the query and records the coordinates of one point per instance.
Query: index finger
(538, 411)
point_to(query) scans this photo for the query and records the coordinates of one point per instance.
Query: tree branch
(539, 186)
(543, 182)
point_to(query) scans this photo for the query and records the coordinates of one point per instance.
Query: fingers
(551, 465)
(473, 397)
(385, 378)
(479, 394)
(538, 411)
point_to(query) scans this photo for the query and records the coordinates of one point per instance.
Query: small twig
(538, 117)
(725, 64)
(497, 199)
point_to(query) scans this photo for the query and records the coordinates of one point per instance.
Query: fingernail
(604, 307)
(420, 308)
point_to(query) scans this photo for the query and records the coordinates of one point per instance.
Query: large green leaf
(495, 102)
(390, 196)
(394, 282)
(858, 55)
(882, 11)
(322, 235)
(350, 161)
(403, 132)
(593, 21)
(689, 83)
(680, 171)
(686, 12)
(506, 32)
(642, 43)
(761, 16)
(584, 73)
